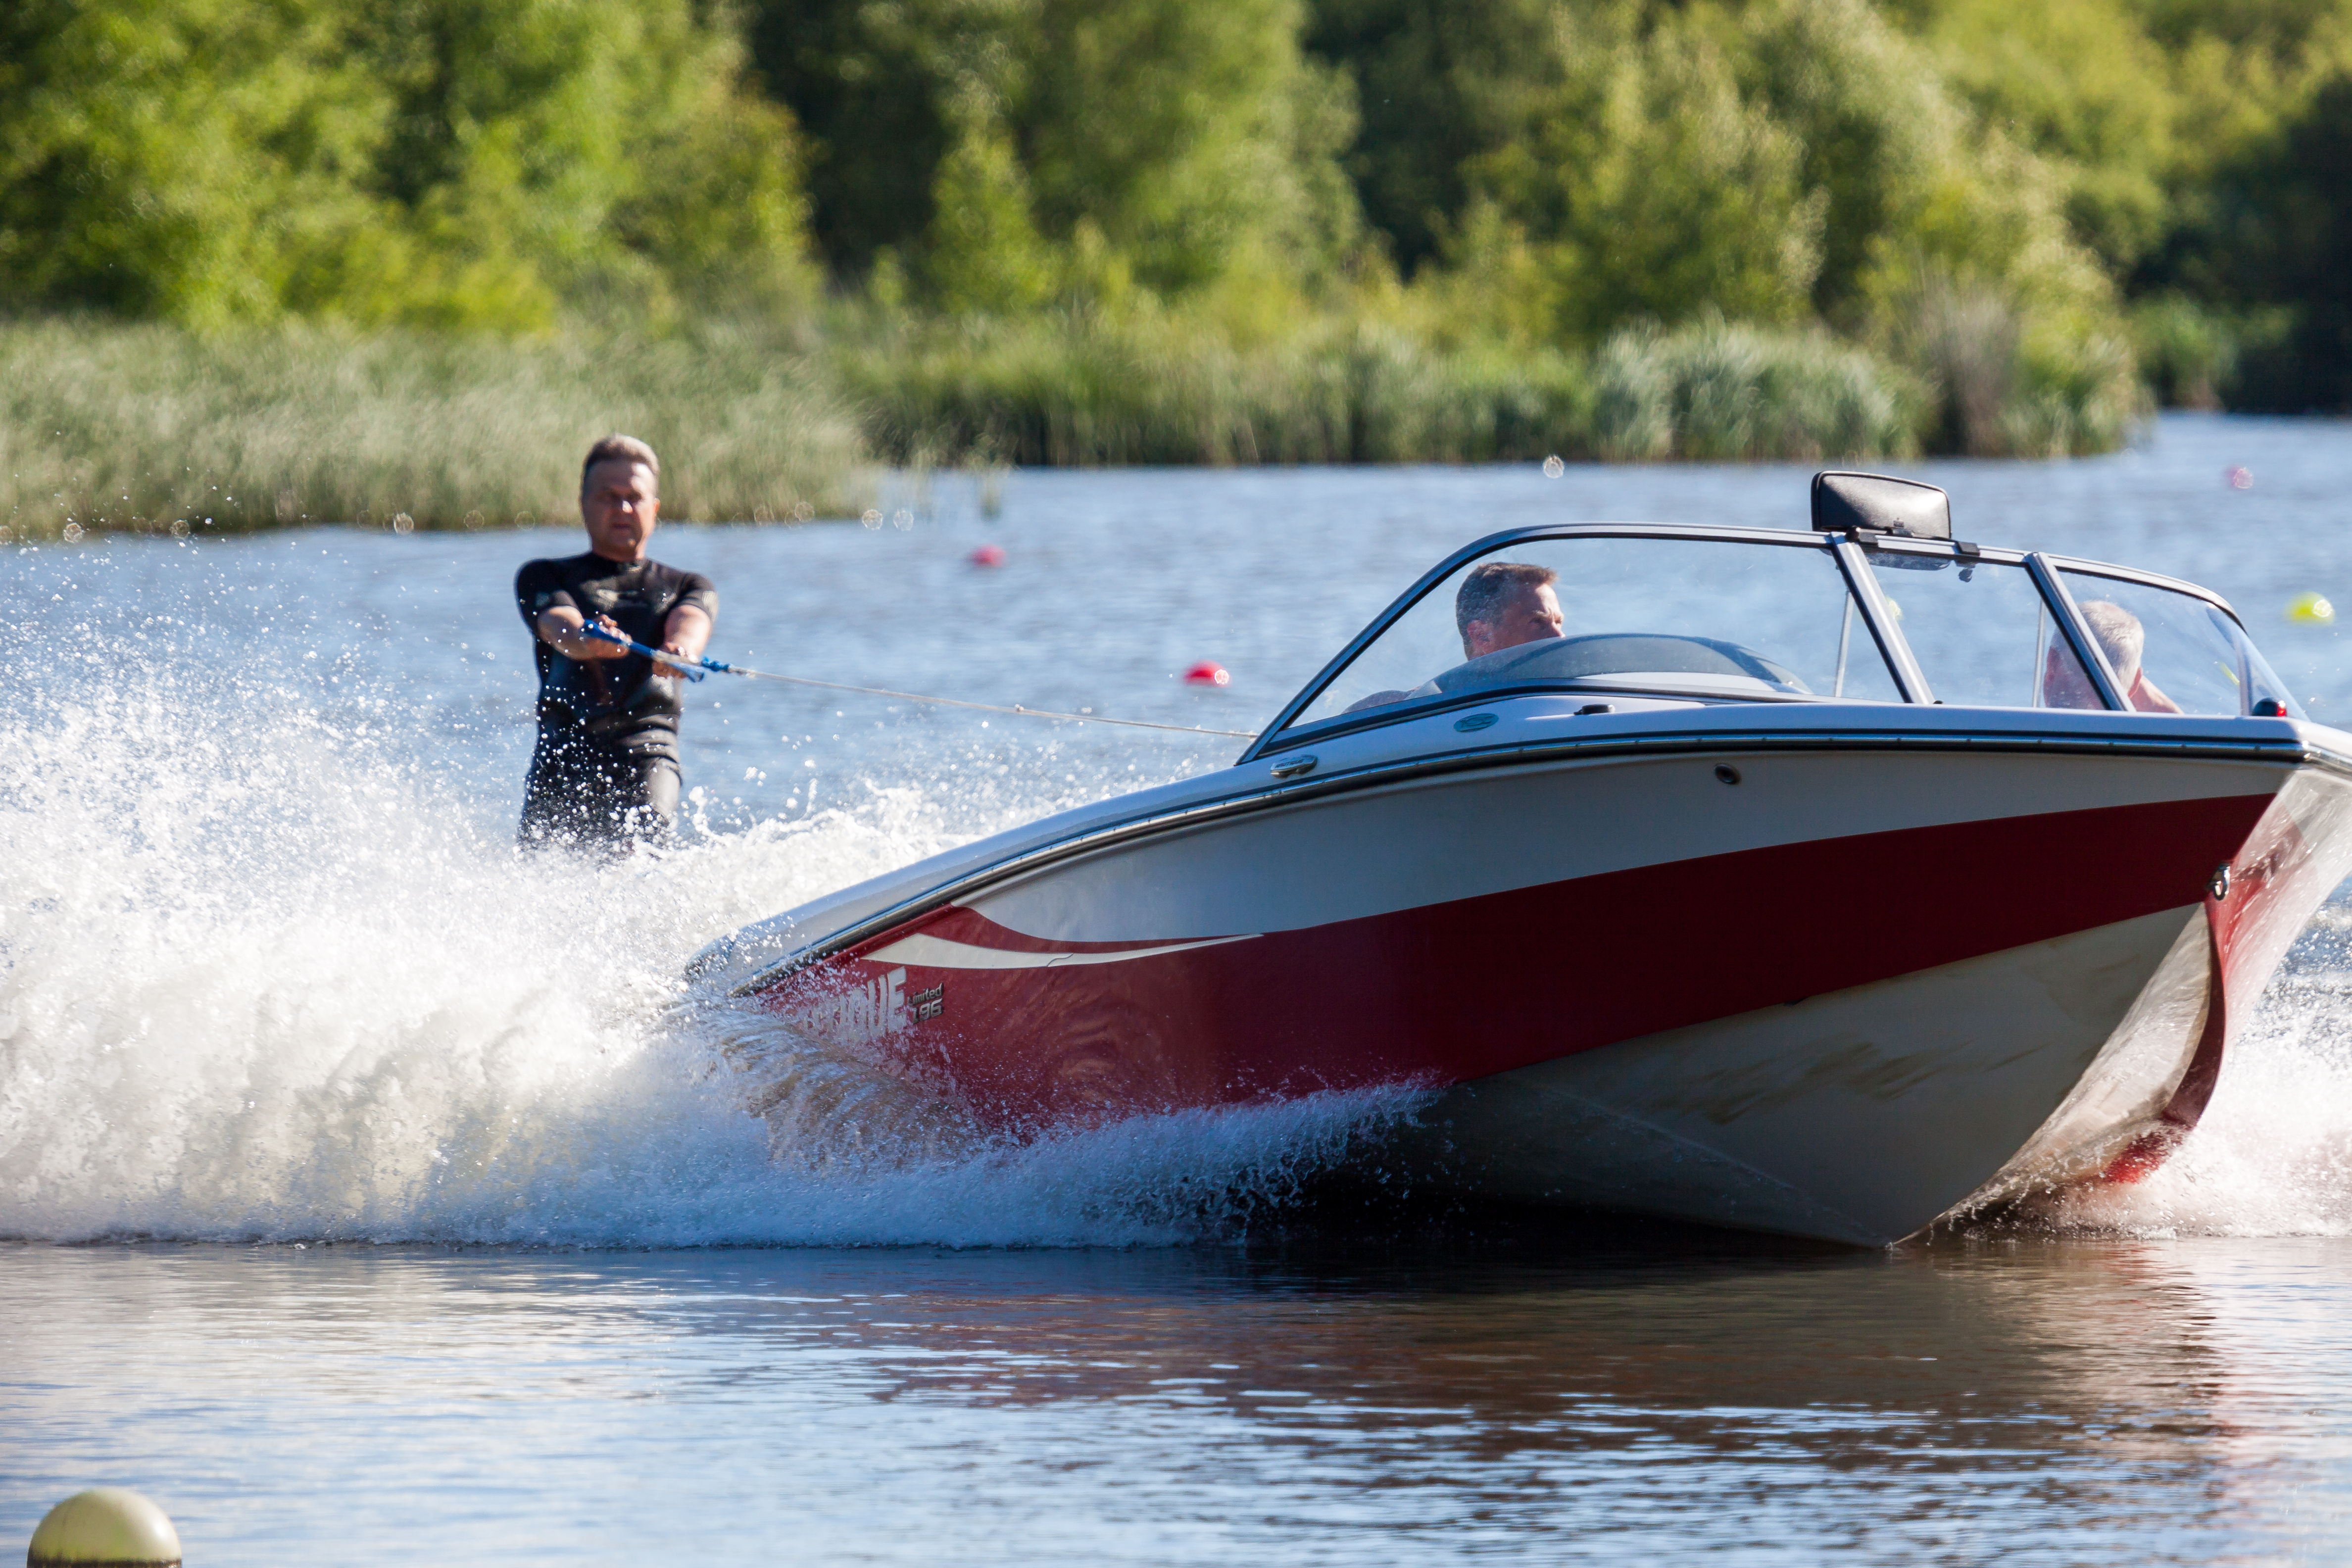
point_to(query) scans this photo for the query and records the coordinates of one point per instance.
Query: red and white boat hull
(1816, 979)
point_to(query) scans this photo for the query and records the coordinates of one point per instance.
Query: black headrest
(1883, 502)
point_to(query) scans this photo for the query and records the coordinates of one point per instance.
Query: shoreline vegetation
(148, 428)
(399, 262)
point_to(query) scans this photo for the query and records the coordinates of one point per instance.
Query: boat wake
(264, 978)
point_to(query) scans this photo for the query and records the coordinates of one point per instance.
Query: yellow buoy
(105, 1525)
(2310, 610)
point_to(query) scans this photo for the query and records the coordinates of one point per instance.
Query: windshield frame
(2146, 579)
(1279, 735)
(1851, 550)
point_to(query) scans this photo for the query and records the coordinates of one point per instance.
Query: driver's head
(1503, 603)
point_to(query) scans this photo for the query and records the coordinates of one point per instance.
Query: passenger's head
(2119, 635)
(620, 497)
(1503, 604)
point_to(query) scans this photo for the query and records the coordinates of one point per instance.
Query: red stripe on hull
(1454, 992)
(2275, 882)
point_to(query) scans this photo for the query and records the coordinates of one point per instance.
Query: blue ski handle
(693, 669)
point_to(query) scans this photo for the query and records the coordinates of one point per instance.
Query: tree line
(2012, 198)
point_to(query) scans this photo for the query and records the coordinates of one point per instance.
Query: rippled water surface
(366, 1203)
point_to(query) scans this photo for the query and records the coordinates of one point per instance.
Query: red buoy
(1208, 672)
(987, 555)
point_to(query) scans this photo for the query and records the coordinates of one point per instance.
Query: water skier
(605, 768)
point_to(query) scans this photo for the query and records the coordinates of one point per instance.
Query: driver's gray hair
(1493, 584)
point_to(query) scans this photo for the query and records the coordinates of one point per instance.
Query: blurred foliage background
(1156, 230)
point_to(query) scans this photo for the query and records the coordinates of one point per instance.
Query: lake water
(361, 1206)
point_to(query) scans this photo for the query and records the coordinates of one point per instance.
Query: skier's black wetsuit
(605, 769)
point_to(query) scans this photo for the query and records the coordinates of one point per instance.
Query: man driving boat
(1500, 605)
(1504, 604)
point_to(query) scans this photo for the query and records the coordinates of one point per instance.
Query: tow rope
(696, 668)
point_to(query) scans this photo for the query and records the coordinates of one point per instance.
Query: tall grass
(148, 428)
(1721, 392)
(115, 427)
(1068, 391)
(1997, 386)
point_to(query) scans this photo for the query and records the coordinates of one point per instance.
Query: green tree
(2271, 239)
(1652, 187)
(1439, 85)
(561, 149)
(1786, 161)
(870, 85)
(2082, 84)
(1875, 133)
(181, 158)
(1194, 138)
(430, 161)
(1682, 195)
(1171, 142)
(984, 254)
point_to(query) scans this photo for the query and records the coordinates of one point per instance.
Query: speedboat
(1823, 882)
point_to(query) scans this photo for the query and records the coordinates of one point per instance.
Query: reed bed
(149, 429)
(1996, 385)
(1072, 393)
(113, 427)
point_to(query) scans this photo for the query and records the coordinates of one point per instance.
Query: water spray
(696, 668)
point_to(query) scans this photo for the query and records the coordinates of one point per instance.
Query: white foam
(2272, 1154)
(263, 976)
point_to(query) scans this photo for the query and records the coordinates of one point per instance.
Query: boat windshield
(1675, 617)
(2173, 652)
(1983, 635)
